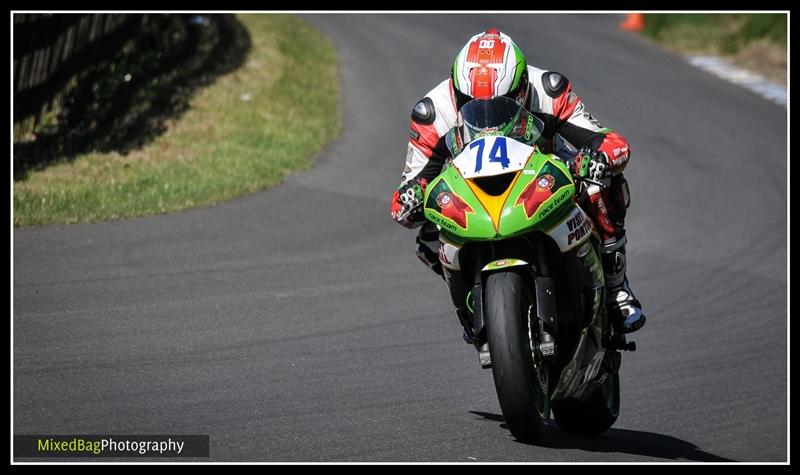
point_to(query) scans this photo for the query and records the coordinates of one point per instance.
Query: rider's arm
(576, 124)
(432, 117)
(406, 206)
(426, 153)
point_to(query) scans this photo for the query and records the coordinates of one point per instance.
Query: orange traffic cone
(634, 22)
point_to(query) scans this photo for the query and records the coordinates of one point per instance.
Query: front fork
(470, 309)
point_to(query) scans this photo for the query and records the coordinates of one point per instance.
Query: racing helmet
(490, 65)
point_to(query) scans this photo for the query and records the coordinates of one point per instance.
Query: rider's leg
(458, 294)
(428, 247)
(428, 252)
(459, 290)
(608, 210)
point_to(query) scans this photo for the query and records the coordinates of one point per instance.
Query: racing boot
(624, 309)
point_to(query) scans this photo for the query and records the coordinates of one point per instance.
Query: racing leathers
(553, 101)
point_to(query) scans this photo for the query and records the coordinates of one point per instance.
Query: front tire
(519, 376)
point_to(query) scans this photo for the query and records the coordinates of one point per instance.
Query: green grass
(719, 33)
(245, 132)
(756, 41)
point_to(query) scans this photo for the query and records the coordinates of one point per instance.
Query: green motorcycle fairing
(539, 196)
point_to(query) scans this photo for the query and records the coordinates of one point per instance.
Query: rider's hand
(593, 166)
(407, 203)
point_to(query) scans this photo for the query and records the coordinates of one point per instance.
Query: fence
(49, 52)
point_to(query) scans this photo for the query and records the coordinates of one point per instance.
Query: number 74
(498, 153)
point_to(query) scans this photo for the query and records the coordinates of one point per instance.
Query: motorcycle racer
(490, 65)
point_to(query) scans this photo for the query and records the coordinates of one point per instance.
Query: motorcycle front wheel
(519, 374)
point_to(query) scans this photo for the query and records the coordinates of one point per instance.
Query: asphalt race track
(296, 324)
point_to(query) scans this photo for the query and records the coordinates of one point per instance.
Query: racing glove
(591, 166)
(407, 203)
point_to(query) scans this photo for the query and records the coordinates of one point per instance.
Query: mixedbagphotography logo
(111, 445)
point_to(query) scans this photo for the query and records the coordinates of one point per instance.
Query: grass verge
(757, 41)
(245, 132)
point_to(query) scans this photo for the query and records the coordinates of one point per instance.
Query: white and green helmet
(490, 65)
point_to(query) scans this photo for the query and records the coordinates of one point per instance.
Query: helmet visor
(499, 116)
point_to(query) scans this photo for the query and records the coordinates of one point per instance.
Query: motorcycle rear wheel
(591, 417)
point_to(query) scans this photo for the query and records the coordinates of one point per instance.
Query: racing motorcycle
(511, 224)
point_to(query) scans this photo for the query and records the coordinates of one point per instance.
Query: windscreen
(499, 116)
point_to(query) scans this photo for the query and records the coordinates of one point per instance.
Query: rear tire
(522, 389)
(591, 417)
